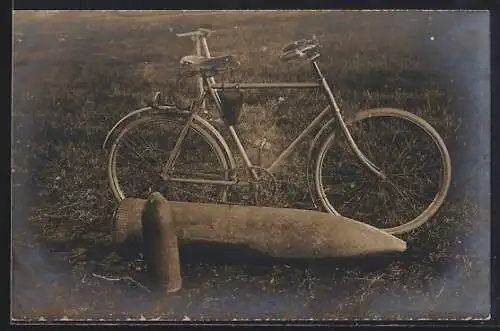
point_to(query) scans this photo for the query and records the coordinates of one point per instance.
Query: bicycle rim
(407, 149)
(149, 141)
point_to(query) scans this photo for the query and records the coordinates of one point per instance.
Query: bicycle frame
(212, 89)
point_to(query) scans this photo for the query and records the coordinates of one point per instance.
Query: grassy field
(76, 74)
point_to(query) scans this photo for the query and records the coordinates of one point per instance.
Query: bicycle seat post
(199, 36)
(204, 43)
(200, 80)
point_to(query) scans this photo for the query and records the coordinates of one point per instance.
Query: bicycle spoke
(370, 143)
(342, 185)
(400, 194)
(148, 163)
(411, 192)
(358, 190)
(149, 147)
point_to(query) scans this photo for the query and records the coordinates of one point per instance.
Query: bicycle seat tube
(338, 114)
(215, 96)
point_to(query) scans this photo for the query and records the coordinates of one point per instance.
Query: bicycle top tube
(298, 85)
(279, 85)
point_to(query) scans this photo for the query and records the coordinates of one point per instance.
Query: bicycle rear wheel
(407, 149)
(141, 149)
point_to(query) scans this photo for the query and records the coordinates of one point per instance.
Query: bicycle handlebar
(304, 48)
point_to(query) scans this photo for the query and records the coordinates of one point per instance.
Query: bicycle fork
(344, 127)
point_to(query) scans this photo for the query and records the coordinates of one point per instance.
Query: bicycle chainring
(265, 189)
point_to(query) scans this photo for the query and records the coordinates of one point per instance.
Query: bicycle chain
(229, 203)
(212, 200)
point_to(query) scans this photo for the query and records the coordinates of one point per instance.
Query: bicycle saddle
(209, 66)
(200, 32)
(303, 48)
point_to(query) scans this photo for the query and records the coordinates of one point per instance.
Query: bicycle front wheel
(407, 149)
(140, 152)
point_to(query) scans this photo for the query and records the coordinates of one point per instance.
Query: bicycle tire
(196, 127)
(428, 130)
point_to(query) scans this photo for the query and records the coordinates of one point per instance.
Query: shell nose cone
(386, 241)
(389, 244)
(402, 246)
(347, 237)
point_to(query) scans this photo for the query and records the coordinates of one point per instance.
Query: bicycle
(209, 176)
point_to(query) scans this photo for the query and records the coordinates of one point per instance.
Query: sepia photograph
(250, 165)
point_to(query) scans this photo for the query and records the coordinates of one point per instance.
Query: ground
(75, 75)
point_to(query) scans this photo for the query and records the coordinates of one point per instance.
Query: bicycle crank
(265, 188)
